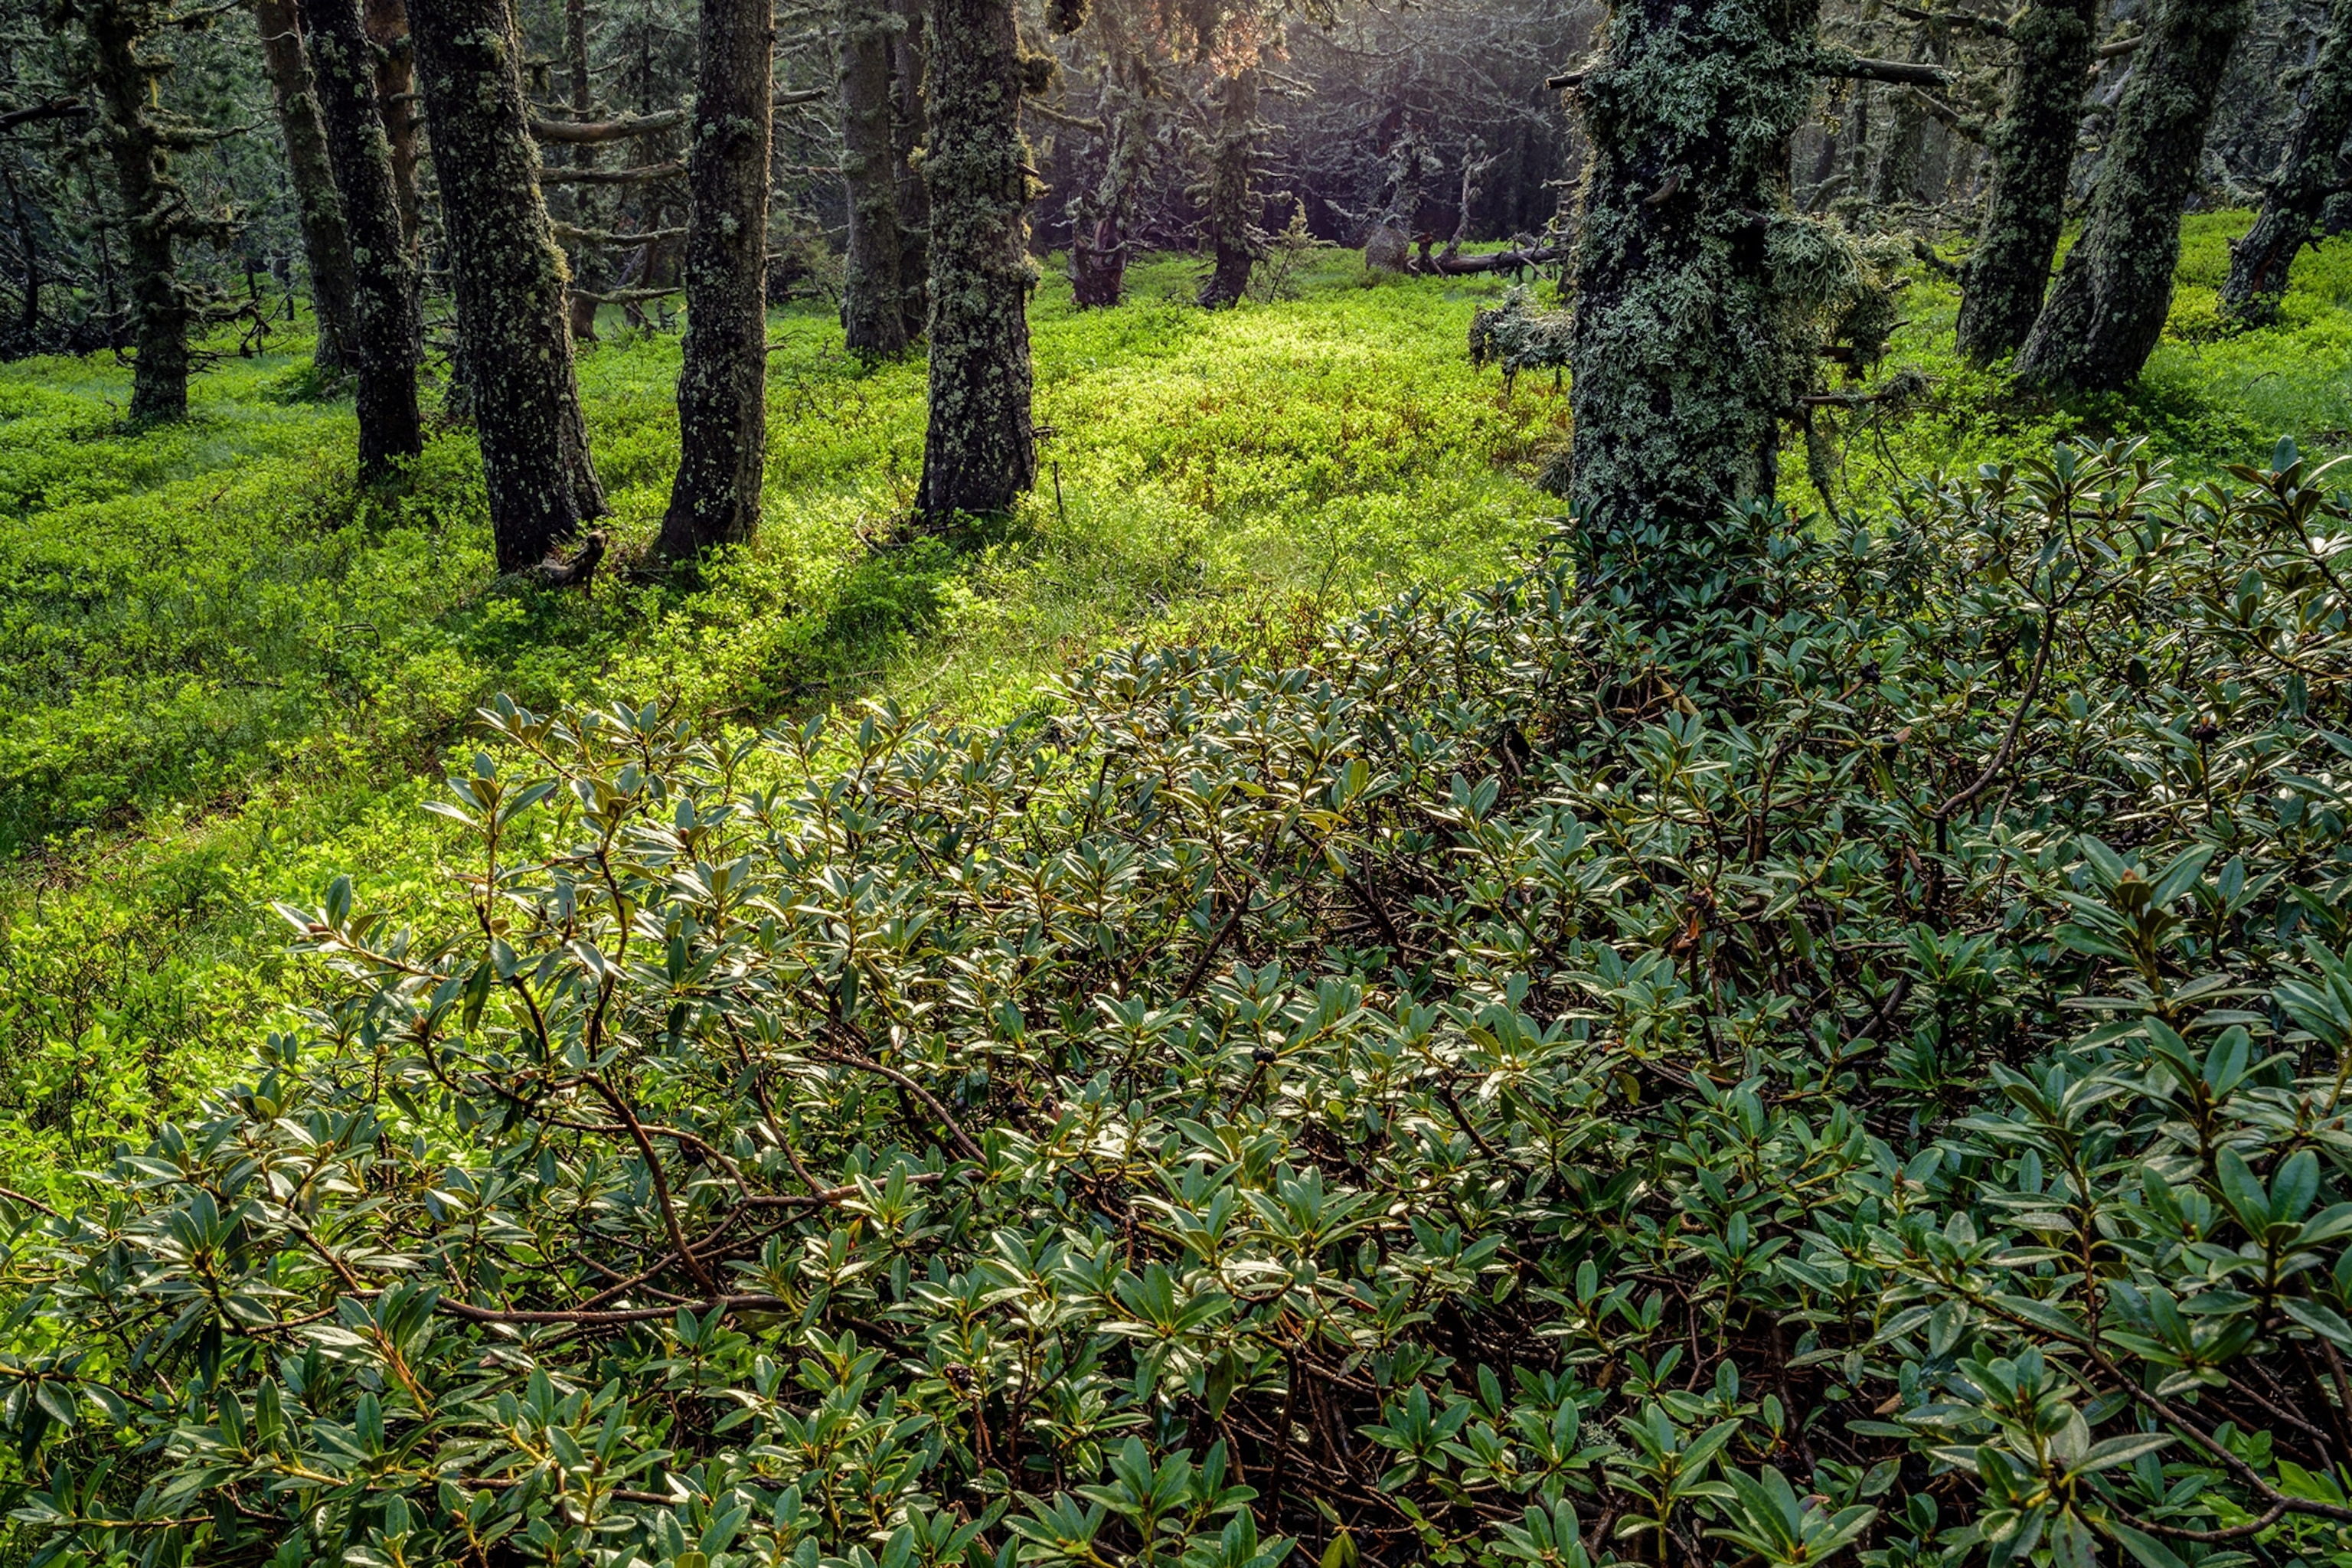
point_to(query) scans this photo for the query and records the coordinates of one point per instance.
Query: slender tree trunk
(581, 204)
(153, 206)
(344, 65)
(978, 449)
(2031, 151)
(395, 97)
(1682, 359)
(510, 279)
(873, 296)
(28, 325)
(318, 206)
(1098, 246)
(1895, 180)
(722, 404)
(909, 125)
(2107, 309)
(1233, 156)
(2312, 169)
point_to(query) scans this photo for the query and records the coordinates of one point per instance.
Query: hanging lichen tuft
(1099, 214)
(1229, 228)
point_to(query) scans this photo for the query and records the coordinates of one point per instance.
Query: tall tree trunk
(1895, 180)
(2312, 169)
(510, 279)
(28, 325)
(2031, 151)
(1682, 359)
(318, 206)
(343, 65)
(155, 207)
(978, 449)
(872, 297)
(581, 204)
(395, 97)
(2107, 309)
(722, 404)
(1099, 244)
(909, 125)
(1231, 203)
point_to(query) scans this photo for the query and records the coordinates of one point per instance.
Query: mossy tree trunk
(395, 97)
(580, 199)
(979, 448)
(2031, 149)
(2107, 307)
(722, 386)
(318, 208)
(1682, 357)
(873, 296)
(1099, 217)
(384, 282)
(1896, 179)
(909, 122)
(2313, 169)
(1230, 192)
(510, 279)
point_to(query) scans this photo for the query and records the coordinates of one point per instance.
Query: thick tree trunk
(2031, 149)
(2312, 169)
(1231, 203)
(395, 99)
(1099, 245)
(909, 125)
(510, 279)
(1682, 359)
(2107, 309)
(722, 408)
(344, 65)
(979, 450)
(873, 296)
(153, 206)
(318, 206)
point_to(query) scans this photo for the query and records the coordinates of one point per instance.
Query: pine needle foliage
(1798, 1043)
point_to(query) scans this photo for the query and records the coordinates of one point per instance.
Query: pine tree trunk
(979, 450)
(2312, 169)
(1232, 205)
(395, 99)
(318, 206)
(2107, 309)
(28, 325)
(872, 297)
(1895, 180)
(1681, 363)
(1098, 246)
(344, 65)
(580, 205)
(909, 125)
(510, 279)
(722, 388)
(2031, 150)
(153, 202)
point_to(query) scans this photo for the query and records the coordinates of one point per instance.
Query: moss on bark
(1229, 197)
(318, 206)
(1102, 209)
(872, 297)
(2313, 169)
(2107, 309)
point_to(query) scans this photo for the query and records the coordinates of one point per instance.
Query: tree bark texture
(2031, 150)
(1895, 180)
(395, 99)
(2107, 307)
(343, 67)
(510, 279)
(2313, 169)
(154, 206)
(318, 206)
(978, 449)
(1098, 218)
(872, 297)
(1683, 359)
(722, 404)
(909, 125)
(1232, 205)
(579, 200)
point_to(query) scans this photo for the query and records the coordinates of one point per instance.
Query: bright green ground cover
(225, 670)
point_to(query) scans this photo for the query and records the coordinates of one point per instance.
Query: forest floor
(228, 674)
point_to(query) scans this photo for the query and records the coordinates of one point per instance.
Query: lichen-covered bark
(909, 125)
(2107, 307)
(722, 386)
(1895, 178)
(385, 284)
(1099, 215)
(395, 99)
(2031, 149)
(2313, 169)
(318, 208)
(580, 200)
(1232, 201)
(509, 277)
(872, 297)
(978, 449)
(1684, 358)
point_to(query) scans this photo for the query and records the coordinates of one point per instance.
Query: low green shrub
(1808, 1040)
